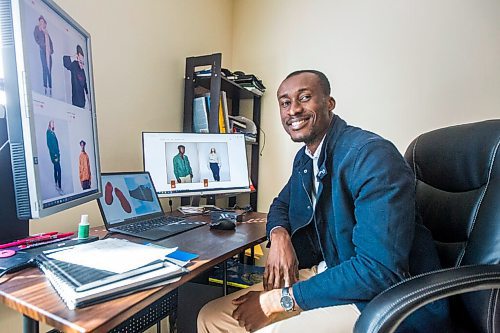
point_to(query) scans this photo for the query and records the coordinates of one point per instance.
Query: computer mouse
(223, 224)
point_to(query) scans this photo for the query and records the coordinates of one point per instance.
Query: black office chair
(458, 198)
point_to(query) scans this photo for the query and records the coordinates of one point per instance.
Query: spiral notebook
(80, 285)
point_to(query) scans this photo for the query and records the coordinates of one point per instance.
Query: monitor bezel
(199, 193)
(20, 114)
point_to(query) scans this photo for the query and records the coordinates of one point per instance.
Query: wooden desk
(29, 292)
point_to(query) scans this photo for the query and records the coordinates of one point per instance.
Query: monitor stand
(193, 201)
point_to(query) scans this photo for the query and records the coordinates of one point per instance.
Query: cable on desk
(108, 234)
(5, 144)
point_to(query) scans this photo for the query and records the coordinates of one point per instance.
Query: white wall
(398, 68)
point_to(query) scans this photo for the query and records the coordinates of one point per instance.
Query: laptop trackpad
(163, 231)
(154, 234)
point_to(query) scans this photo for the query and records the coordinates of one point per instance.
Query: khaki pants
(186, 179)
(216, 316)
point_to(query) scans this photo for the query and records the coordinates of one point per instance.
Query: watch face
(287, 302)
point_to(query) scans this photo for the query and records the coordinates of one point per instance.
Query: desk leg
(224, 279)
(30, 325)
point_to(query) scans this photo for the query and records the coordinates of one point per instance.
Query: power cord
(108, 234)
(263, 141)
(5, 144)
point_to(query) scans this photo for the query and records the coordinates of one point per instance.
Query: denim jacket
(364, 222)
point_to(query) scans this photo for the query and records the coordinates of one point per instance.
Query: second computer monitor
(50, 107)
(193, 164)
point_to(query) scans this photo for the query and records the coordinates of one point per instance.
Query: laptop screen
(128, 196)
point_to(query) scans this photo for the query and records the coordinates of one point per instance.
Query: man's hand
(249, 312)
(282, 264)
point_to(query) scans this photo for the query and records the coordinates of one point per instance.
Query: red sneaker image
(123, 201)
(108, 193)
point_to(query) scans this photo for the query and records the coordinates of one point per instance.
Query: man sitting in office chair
(346, 217)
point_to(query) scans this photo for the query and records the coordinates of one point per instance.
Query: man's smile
(297, 124)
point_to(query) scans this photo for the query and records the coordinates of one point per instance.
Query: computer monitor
(196, 164)
(50, 108)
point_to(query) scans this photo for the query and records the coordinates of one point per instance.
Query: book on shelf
(223, 119)
(200, 115)
(236, 124)
(244, 126)
(225, 112)
(250, 80)
(80, 284)
(208, 72)
(203, 73)
(251, 138)
(247, 81)
(255, 90)
(222, 124)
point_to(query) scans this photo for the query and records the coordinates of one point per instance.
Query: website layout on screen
(183, 163)
(57, 56)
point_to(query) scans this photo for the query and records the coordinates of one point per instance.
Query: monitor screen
(128, 196)
(185, 164)
(50, 107)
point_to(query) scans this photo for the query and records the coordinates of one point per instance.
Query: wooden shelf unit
(215, 83)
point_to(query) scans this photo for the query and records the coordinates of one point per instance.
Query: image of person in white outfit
(214, 164)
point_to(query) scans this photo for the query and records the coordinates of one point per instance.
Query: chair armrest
(386, 311)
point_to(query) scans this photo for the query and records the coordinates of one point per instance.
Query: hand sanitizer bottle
(83, 227)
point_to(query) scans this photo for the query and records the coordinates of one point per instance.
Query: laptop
(130, 206)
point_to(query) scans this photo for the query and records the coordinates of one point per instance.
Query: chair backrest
(457, 170)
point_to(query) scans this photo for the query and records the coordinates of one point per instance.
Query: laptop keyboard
(150, 224)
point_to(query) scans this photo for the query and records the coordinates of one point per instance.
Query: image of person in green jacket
(55, 155)
(182, 169)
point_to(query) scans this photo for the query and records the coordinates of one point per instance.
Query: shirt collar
(316, 154)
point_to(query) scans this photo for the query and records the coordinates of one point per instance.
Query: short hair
(42, 18)
(83, 142)
(79, 50)
(179, 147)
(323, 80)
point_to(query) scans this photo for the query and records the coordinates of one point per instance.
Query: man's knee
(212, 315)
(206, 315)
(216, 315)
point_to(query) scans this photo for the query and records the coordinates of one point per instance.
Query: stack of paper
(190, 210)
(94, 272)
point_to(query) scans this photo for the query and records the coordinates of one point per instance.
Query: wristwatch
(286, 300)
